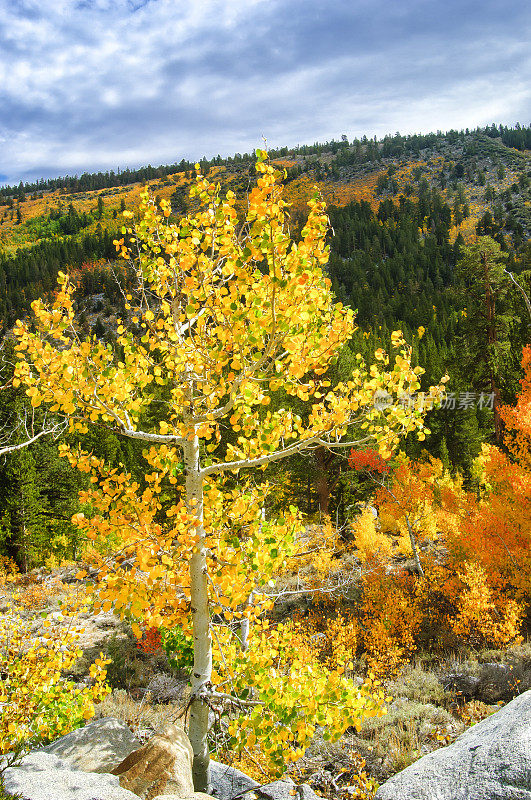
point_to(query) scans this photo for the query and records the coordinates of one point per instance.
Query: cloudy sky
(97, 84)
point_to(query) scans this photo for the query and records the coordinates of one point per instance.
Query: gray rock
(227, 781)
(44, 776)
(490, 761)
(98, 747)
(462, 684)
(278, 790)
(306, 792)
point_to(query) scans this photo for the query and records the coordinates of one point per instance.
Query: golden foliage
(389, 620)
(370, 542)
(301, 694)
(37, 702)
(484, 620)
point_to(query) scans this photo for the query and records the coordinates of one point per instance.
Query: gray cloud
(90, 84)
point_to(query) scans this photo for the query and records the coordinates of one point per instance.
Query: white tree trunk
(412, 539)
(244, 625)
(201, 675)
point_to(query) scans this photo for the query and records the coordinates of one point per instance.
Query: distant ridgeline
(359, 151)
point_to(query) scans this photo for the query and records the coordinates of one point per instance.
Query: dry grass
(419, 684)
(140, 715)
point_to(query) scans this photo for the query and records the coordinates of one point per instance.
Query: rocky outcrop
(77, 766)
(226, 782)
(195, 796)
(99, 746)
(162, 766)
(44, 776)
(490, 761)
(279, 790)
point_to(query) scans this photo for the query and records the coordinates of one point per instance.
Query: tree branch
(526, 298)
(11, 448)
(276, 455)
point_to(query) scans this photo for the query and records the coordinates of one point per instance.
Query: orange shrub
(389, 620)
(484, 619)
(36, 596)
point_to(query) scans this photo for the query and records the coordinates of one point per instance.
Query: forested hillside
(458, 184)
(308, 461)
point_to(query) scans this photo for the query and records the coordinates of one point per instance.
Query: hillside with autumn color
(402, 212)
(480, 176)
(476, 170)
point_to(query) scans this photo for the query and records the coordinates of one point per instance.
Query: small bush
(179, 648)
(415, 683)
(484, 619)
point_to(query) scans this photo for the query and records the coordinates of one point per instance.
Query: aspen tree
(228, 312)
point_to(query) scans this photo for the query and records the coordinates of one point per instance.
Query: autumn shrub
(361, 785)
(307, 634)
(485, 618)
(38, 703)
(341, 639)
(151, 641)
(8, 570)
(178, 646)
(328, 634)
(474, 711)
(377, 631)
(494, 521)
(369, 541)
(37, 596)
(389, 620)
